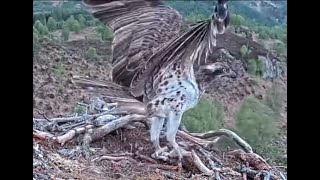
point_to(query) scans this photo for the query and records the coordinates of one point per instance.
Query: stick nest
(111, 140)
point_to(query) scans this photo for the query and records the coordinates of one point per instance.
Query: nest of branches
(201, 159)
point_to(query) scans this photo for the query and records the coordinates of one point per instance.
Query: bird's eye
(224, 70)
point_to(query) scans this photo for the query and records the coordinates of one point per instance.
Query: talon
(159, 154)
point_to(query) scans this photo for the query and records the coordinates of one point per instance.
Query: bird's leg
(156, 126)
(172, 128)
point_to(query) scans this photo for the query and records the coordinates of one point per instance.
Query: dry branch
(71, 134)
(113, 125)
(225, 132)
(197, 161)
(41, 135)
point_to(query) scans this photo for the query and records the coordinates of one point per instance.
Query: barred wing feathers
(186, 50)
(139, 27)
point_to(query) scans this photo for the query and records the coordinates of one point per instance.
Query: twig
(146, 158)
(160, 166)
(113, 158)
(72, 119)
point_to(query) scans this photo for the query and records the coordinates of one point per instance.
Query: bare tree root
(117, 114)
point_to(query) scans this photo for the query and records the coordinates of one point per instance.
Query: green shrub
(255, 67)
(37, 25)
(91, 23)
(205, 116)
(260, 68)
(52, 24)
(65, 34)
(42, 29)
(237, 20)
(281, 49)
(103, 32)
(59, 24)
(69, 23)
(91, 53)
(80, 110)
(82, 20)
(59, 70)
(256, 122)
(76, 27)
(274, 98)
(244, 51)
(252, 66)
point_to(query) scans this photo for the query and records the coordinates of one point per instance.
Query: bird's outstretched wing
(189, 47)
(139, 27)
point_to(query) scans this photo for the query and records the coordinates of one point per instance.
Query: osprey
(153, 60)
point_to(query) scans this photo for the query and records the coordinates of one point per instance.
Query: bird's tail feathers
(105, 89)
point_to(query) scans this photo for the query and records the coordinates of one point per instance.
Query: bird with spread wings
(154, 60)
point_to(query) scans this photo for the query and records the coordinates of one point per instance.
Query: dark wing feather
(140, 27)
(186, 49)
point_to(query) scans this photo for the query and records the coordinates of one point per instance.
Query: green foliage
(59, 70)
(104, 32)
(91, 53)
(237, 20)
(263, 35)
(91, 23)
(252, 66)
(195, 17)
(65, 34)
(270, 32)
(58, 14)
(59, 24)
(68, 24)
(52, 24)
(35, 41)
(274, 98)
(37, 25)
(244, 51)
(72, 24)
(82, 20)
(80, 110)
(256, 122)
(207, 115)
(76, 27)
(255, 67)
(41, 29)
(281, 49)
